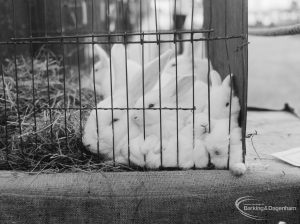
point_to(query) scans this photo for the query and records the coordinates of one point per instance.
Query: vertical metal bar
(94, 81)
(159, 85)
(143, 71)
(64, 71)
(5, 112)
(32, 75)
(193, 70)
(176, 78)
(126, 77)
(208, 73)
(245, 77)
(127, 99)
(111, 82)
(16, 75)
(231, 85)
(47, 71)
(79, 72)
(176, 81)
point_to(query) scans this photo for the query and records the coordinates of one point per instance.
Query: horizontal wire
(29, 41)
(114, 34)
(114, 108)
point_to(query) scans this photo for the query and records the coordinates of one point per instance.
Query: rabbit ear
(152, 69)
(151, 74)
(184, 84)
(227, 81)
(100, 55)
(118, 61)
(187, 48)
(215, 78)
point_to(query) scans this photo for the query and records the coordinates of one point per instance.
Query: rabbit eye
(114, 120)
(151, 105)
(173, 65)
(217, 152)
(227, 104)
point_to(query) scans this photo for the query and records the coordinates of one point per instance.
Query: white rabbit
(153, 146)
(236, 164)
(197, 128)
(220, 98)
(102, 69)
(186, 65)
(184, 68)
(191, 152)
(131, 154)
(105, 140)
(167, 158)
(218, 143)
(168, 120)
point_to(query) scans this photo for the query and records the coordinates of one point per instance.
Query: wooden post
(230, 18)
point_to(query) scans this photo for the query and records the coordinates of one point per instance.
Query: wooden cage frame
(230, 18)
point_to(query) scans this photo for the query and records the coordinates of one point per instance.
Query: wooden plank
(192, 196)
(229, 18)
(160, 197)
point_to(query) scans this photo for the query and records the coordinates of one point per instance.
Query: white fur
(104, 75)
(220, 98)
(105, 135)
(162, 122)
(190, 152)
(152, 147)
(199, 131)
(219, 142)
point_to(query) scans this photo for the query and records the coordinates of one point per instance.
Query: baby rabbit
(107, 126)
(168, 124)
(218, 142)
(224, 147)
(164, 120)
(191, 152)
(185, 151)
(102, 70)
(220, 98)
(186, 65)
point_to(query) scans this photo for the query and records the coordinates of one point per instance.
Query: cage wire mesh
(116, 85)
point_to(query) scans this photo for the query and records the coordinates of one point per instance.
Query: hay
(34, 137)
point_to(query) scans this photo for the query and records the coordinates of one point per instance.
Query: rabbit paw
(238, 169)
(187, 164)
(151, 143)
(200, 155)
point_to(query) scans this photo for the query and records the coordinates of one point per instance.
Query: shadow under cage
(124, 85)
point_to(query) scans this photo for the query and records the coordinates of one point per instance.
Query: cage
(77, 76)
